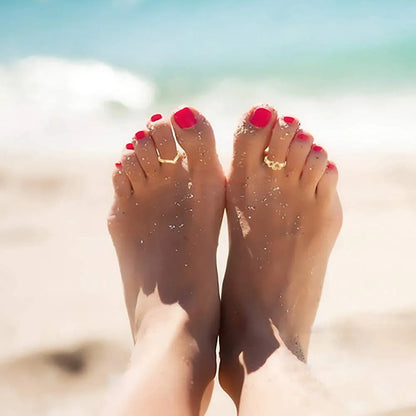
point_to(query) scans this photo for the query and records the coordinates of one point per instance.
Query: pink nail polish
(260, 117)
(185, 118)
(288, 119)
(155, 117)
(118, 164)
(316, 148)
(330, 166)
(140, 135)
(302, 136)
(129, 146)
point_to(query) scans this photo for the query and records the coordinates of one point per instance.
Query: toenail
(129, 146)
(317, 148)
(288, 119)
(140, 135)
(185, 118)
(118, 164)
(330, 166)
(302, 136)
(260, 117)
(155, 117)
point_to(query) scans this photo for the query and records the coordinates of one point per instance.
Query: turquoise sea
(101, 67)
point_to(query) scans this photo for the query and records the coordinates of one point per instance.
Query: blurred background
(78, 78)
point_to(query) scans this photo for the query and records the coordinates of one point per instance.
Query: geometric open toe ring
(274, 165)
(171, 161)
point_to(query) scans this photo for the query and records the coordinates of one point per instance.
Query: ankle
(246, 345)
(169, 330)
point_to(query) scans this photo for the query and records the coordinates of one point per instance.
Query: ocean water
(83, 76)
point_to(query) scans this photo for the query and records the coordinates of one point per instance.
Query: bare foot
(282, 225)
(164, 224)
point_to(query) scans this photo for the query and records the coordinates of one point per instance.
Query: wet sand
(63, 329)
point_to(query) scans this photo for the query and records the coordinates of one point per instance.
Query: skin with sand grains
(165, 222)
(171, 213)
(282, 226)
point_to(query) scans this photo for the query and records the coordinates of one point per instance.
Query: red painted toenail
(331, 166)
(288, 120)
(140, 135)
(118, 164)
(302, 136)
(185, 118)
(260, 117)
(129, 146)
(317, 148)
(156, 117)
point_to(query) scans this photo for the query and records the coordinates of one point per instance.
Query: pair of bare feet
(165, 222)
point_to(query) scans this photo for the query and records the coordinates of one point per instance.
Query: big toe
(252, 137)
(194, 134)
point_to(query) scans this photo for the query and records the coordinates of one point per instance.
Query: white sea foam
(49, 83)
(51, 104)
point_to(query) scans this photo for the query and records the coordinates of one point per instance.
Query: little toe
(252, 137)
(162, 135)
(132, 167)
(328, 182)
(146, 154)
(282, 135)
(194, 134)
(298, 152)
(315, 166)
(121, 183)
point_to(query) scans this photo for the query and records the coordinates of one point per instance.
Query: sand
(63, 329)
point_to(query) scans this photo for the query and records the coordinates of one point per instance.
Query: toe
(282, 135)
(252, 137)
(132, 168)
(327, 184)
(315, 166)
(145, 150)
(194, 134)
(161, 133)
(298, 152)
(121, 182)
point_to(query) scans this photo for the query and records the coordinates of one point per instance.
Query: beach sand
(63, 329)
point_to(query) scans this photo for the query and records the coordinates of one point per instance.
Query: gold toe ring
(274, 165)
(170, 161)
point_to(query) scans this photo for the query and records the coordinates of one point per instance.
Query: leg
(164, 224)
(282, 225)
(284, 385)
